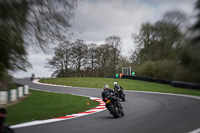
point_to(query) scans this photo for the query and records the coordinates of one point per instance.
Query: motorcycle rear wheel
(113, 111)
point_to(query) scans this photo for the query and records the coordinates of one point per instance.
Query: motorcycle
(112, 105)
(119, 93)
(32, 77)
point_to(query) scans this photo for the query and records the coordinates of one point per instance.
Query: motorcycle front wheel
(122, 97)
(122, 112)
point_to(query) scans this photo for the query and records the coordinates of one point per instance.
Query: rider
(32, 77)
(108, 93)
(117, 87)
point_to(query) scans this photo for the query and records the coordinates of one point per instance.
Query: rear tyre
(113, 111)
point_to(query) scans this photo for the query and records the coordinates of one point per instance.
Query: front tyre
(122, 96)
(122, 112)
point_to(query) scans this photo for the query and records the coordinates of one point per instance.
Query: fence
(172, 83)
(13, 95)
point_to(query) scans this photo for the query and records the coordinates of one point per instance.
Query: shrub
(167, 70)
(160, 69)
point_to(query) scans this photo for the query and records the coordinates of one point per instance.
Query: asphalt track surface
(144, 113)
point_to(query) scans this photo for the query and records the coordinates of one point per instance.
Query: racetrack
(144, 113)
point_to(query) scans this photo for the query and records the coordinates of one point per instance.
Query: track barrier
(7, 97)
(172, 83)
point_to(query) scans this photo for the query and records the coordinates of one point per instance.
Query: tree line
(81, 59)
(167, 49)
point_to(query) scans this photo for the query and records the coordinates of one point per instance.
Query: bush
(185, 74)
(159, 69)
(167, 70)
(146, 69)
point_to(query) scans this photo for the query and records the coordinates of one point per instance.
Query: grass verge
(45, 105)
(41, 105)
(127, 84)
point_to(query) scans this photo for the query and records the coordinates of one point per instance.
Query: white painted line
(195, 131)
(88, 112)
(35, 123)
(36, 81)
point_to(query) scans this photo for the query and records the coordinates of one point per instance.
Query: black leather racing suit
(108, 93)
(116, 87)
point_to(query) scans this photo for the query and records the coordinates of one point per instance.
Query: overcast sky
(96, 20)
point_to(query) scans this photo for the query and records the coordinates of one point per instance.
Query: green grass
(127, 84)
(46, 105)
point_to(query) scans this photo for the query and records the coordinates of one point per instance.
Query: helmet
(106, 86)
(115, 83)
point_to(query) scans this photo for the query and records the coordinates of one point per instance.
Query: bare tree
(79, 55)
(48, 21)
(115, 43)
(195, 28)
(92, 54)
(103, 58)
(26, 23)
(175, 17)
(60, 63)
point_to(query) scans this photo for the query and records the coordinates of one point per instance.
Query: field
(127, 84)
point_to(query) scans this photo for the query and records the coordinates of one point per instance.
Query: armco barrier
(172, 83)
(185, 84)
(13, 95)
(146, 79)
